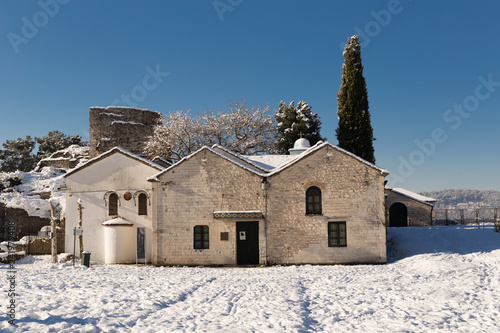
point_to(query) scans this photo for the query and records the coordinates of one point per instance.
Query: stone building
(118, 126)
(319, 205)
(408, 209)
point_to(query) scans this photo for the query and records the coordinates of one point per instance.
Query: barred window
(337, 234)
(143, 204)
(113, 204)
(313, 201)
(201, 237)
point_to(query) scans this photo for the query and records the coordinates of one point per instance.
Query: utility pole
(53, 230)
(80, 220)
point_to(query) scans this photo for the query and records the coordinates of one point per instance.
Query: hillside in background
(470, 198)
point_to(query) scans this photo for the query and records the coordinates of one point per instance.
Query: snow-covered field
(440, 279)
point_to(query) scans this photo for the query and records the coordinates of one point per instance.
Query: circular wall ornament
(127, 196)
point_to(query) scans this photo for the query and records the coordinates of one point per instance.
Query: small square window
(337, 234)
(224, 236)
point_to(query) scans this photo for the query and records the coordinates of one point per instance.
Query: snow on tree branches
(295, 122)
(244, 130)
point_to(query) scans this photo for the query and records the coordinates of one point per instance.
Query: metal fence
(479, 216)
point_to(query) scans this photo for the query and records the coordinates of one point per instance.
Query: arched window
(313, 201)
(113, 204)
(143, 204)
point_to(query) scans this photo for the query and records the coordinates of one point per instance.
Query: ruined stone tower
(125, 127)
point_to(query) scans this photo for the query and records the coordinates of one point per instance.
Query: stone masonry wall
(25, 224)
(124, 127)
(188, 196)
(351, 192)
(189, 193)
(419, 214)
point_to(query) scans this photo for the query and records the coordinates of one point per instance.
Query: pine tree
(17, 155)
(55, 141)
(294, 123)
(355, 132)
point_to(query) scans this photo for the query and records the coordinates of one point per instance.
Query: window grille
(113, 204)
(201, 237)
(337, 234)
(313, 201)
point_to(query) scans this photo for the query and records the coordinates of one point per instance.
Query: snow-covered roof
(161, 161)
(237, 158)
(413, 195)
(114, 151)
(269, 162)
(266, 165)
(317, 147)
(117, 221)
(238, 212)
(225, 154)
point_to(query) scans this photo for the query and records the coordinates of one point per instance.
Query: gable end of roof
(113, 151)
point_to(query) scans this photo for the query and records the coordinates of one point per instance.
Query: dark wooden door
(398, 215)
(247, 243)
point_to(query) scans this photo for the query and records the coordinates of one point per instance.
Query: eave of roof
(234, 159)
(414, 196)
(111, 152)
(249, 165)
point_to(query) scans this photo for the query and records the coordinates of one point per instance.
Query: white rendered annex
(116, 199)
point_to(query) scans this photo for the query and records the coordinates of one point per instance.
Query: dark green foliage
(355, 132)
(55, 141)
(14, 181)
(9, 182)
(17, 155)
(294, 123)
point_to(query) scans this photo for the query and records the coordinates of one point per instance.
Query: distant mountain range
(468, 198)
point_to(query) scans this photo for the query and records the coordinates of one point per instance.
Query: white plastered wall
(116, 172)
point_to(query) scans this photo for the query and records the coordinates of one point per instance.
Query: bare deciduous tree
(241, 129)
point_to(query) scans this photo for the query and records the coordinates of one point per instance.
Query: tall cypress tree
(355, 132)
(294, 123)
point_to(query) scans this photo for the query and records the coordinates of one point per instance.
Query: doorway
(398, 215)
(247, 243)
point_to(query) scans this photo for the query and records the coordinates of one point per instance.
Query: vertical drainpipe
(432, 220)
(156, 193)
(265, 186)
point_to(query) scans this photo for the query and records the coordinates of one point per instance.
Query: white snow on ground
(439, 279)
(25, 196)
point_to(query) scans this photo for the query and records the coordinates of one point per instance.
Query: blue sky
(432, 70)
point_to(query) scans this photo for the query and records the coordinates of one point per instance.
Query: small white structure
(118, 241)
(117, 214)
(300, 146)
